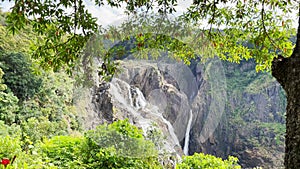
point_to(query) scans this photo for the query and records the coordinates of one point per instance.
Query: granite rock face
(252, 125)
(235, 111)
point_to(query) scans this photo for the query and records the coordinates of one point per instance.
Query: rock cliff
(252, 126)
(235, 111)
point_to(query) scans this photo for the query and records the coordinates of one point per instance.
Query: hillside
(152, 114)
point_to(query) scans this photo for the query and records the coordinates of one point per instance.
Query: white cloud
(107, 15)
(5, 6)
(115, 16)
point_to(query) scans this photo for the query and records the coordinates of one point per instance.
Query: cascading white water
(130, 96)
(134, 101)
(117, 88)
(141, 103)
(171, 130)
(155, 112)
(140, 100)
(187, 135)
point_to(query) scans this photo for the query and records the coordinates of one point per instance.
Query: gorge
(221, 108)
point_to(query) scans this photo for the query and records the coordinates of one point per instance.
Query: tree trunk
(287, 73)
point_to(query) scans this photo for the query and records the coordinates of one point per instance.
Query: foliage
(65, 32)
(2, 86)
(265, 25)
(50, 111)
(53, 100)
(8, 103)
(9, 147)
(35, 121)
(17, 43)
(74, 152)
(109, 158)
(88, 152)
(21, 159)
(246, 90)
(46, 100)
(202, 161)
(125, 128)
(243, 23)
(239, 76)
(36, 129)
(119, 145)
(62, 151)
(8, 107)
(260, 83)
(18, 75)
(2, 17)
(13, 130)
(276, 128)
(156, 136)
(249, 31)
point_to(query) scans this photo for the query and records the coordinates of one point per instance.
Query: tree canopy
(231, 25)
(235, 29)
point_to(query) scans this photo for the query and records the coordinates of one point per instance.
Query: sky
(107, 15)
(114, 16)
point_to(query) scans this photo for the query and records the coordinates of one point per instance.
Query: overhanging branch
(296, 52)
(265, 32)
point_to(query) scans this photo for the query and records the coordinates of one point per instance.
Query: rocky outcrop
(235, 110)
(252, 127)
(163, 89)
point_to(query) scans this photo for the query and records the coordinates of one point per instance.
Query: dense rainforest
(42, 125)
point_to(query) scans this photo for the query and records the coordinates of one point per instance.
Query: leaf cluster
(200, 160)
(18, 76)
(247, 29)
(86, 152)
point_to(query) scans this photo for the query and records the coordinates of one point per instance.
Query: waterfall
(117, 88)
(171, 130)
(140, 101)
(130, 96)
(155, 112)
(187, 135)
(133, 101)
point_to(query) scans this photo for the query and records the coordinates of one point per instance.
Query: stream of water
(134, 101)
(187, 135)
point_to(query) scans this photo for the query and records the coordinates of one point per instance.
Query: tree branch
(297, 48)
(212, 18)
(75, 17)
(264, 26)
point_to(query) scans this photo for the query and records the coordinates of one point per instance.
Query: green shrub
(9, 147)
(13, 130)
(8, 103)
(108, 158)
(118, 145)
(127, 129)
(62, 151)
(50, 112)
(37, 129)
(202, 161)
(18, 76)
